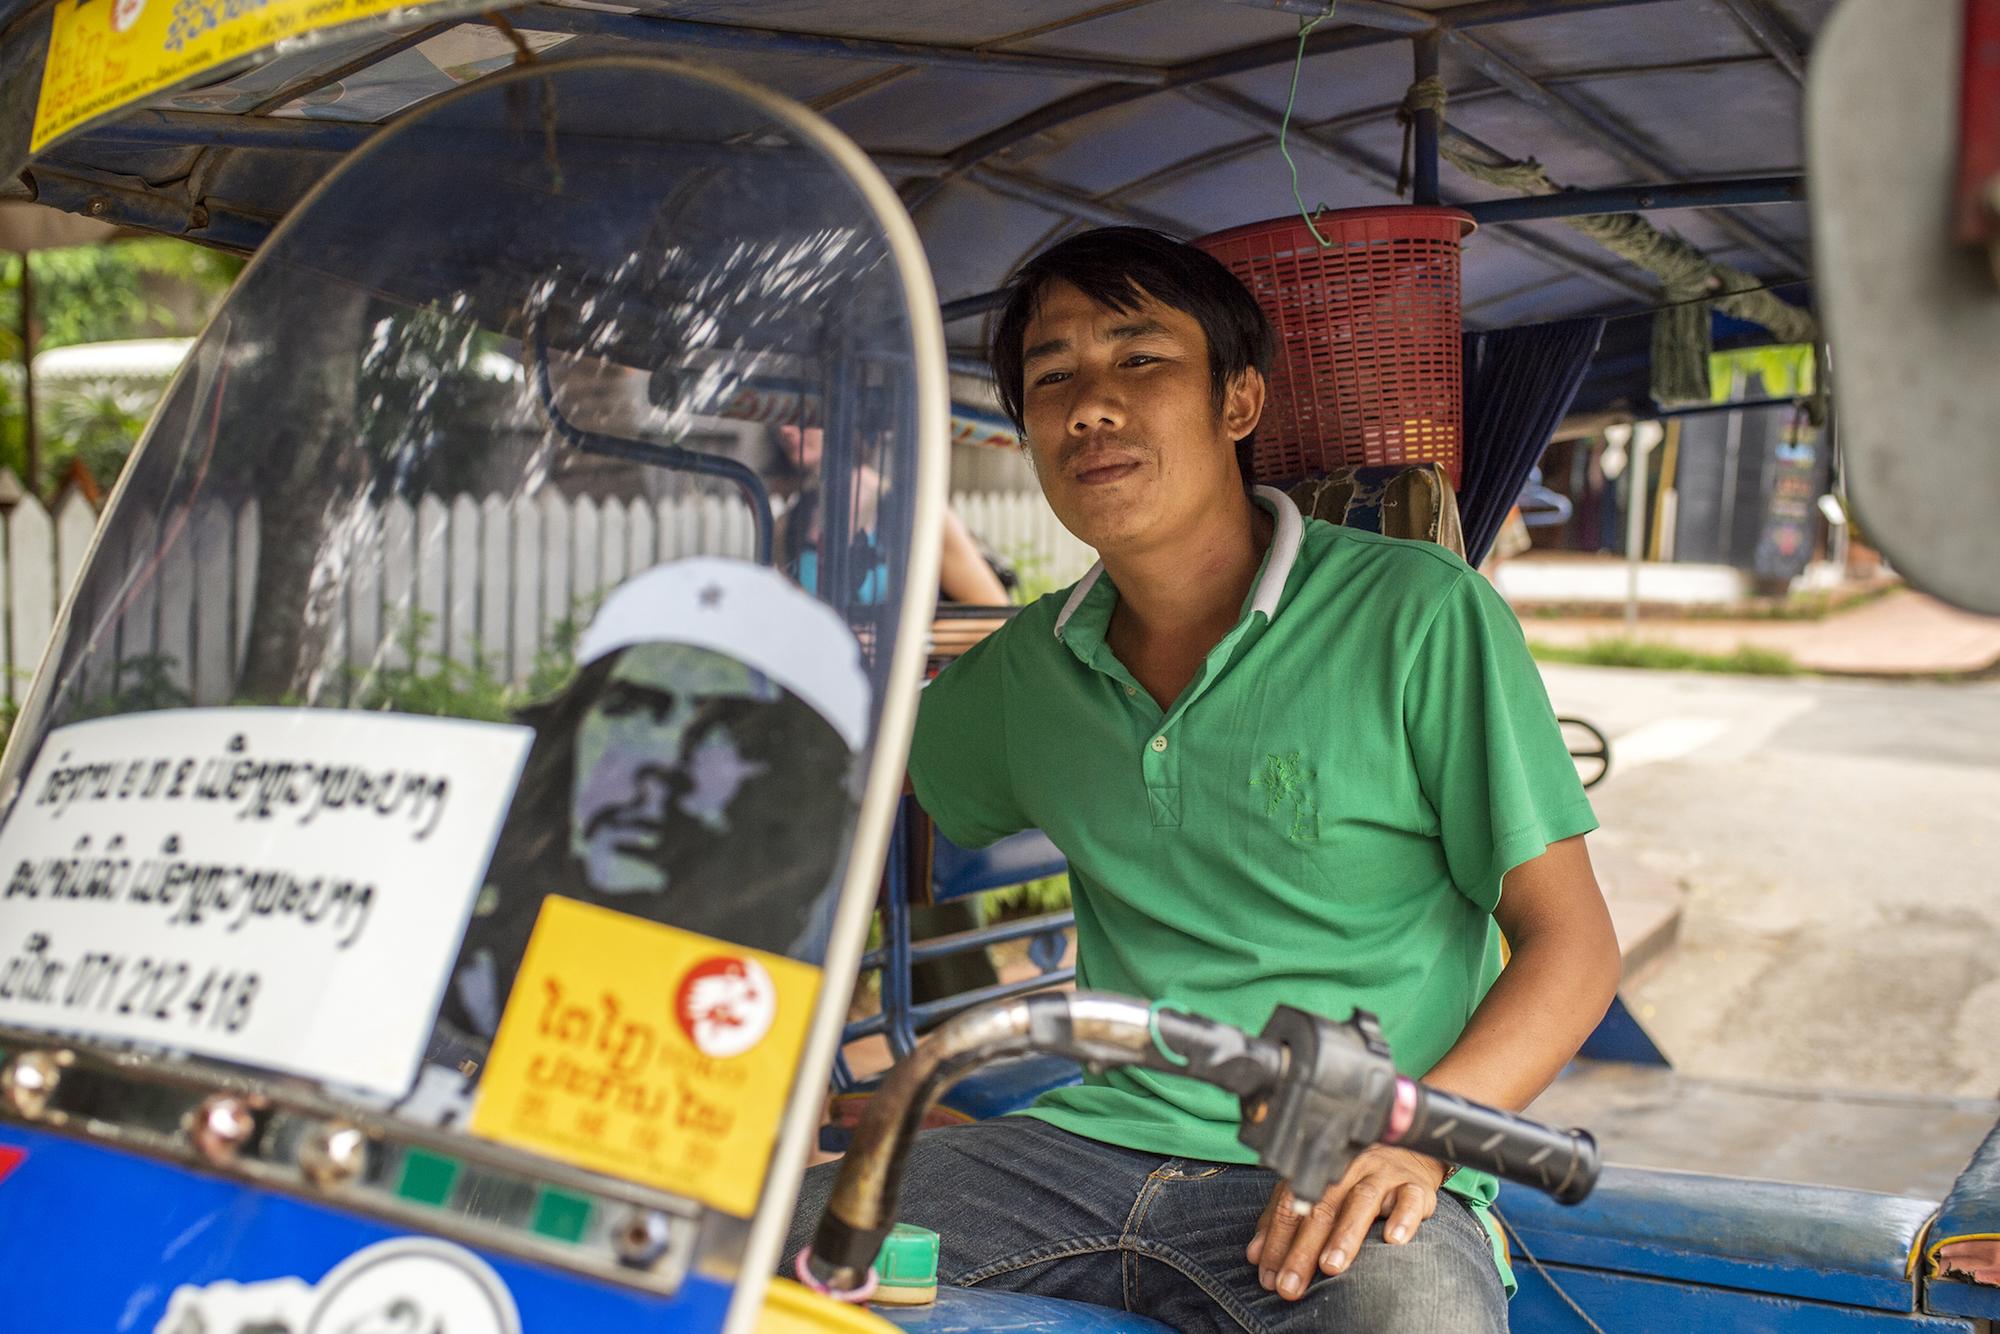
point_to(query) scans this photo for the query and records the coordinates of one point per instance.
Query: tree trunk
(302, 459)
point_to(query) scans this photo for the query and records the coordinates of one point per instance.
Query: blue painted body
(1971, 1209)
(1626, 1302)
(957, 872)
(1620, 1037)
(97, 1239)
(1818, 1242)
(1947, 1297)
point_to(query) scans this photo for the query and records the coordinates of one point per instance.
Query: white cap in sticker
(747, 612)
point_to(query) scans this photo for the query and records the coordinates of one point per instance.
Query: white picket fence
(469, 579)
(1021, 528)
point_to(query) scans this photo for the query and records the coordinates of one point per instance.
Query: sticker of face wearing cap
(701, 769)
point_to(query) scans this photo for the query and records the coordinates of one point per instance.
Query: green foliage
(421, 408)
(86, 294)
(97, 422)
(1811, 605)
(1029, 900)
(429, 685)
(138, 684)
(555, 660)
(1747, 660)
(1032, 576)
(438, 687)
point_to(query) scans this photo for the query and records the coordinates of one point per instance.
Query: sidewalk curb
(1646, 907)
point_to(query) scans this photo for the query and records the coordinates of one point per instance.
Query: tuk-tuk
(451, 638)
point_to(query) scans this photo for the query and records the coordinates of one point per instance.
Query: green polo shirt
(1322, 819)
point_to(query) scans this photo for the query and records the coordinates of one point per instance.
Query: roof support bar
(1604, 130)
(1263, 55)
(112, 200)
(203, 129)
(1736, 192)
(1363, 13)
(770, 41)
(1404, 19)
(1424, 124)
(1067, 202)
(210, 130)
(1770, 32)
(1384, 177)
(966, 307)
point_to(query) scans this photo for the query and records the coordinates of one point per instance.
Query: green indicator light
(908, 1257)
(908, 1267)
(561, 1215)
(427, 1178)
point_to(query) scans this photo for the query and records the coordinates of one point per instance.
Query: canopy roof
(1006, 125)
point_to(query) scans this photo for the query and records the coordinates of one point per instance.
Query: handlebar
(1560, 1163)
(1314, 1093)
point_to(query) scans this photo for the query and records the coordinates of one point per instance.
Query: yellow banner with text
(107, 54)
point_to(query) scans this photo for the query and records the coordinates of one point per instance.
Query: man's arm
(1557, 984)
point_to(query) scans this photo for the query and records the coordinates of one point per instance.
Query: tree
(144, 288)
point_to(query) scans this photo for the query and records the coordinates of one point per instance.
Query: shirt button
(1130, 691)
(1159, 745)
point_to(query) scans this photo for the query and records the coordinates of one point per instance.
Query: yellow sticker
(106, 54)
(647, 1052)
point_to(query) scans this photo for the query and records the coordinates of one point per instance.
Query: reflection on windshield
(413, 468)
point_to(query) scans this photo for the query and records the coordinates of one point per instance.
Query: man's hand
(1380, 1181)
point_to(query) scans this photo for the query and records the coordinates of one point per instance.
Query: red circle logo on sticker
(726, 1005)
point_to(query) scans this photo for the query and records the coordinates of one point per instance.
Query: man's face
(638, 784)
(803, 446)
(1121, 421)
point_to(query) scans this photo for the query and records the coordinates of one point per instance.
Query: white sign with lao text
(280, 887)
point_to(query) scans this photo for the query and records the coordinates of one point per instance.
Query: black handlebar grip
(1562, 1163)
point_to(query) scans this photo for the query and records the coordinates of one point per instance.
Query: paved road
(1840, 843)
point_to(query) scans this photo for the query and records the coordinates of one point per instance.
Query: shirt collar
(1277, 569)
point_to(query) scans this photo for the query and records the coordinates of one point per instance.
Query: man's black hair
(1119, 267)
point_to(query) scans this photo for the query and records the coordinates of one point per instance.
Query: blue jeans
(1024, 1207)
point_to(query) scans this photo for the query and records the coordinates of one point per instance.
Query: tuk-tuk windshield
(531, 522)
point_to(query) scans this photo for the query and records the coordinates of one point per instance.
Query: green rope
(1298, 63)
(1694, 284)
(1423, 95)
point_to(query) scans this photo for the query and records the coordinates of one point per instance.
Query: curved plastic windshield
(509, 584)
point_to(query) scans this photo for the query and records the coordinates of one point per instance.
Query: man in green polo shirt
(1288, 763)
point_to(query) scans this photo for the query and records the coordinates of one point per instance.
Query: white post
(1645, 435)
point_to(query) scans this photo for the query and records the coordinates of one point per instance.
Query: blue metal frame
(652, 453)
(957, 873)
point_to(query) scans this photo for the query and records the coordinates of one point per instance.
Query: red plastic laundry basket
(1368, 368)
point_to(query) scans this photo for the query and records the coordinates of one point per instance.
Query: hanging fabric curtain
(1519, 384)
